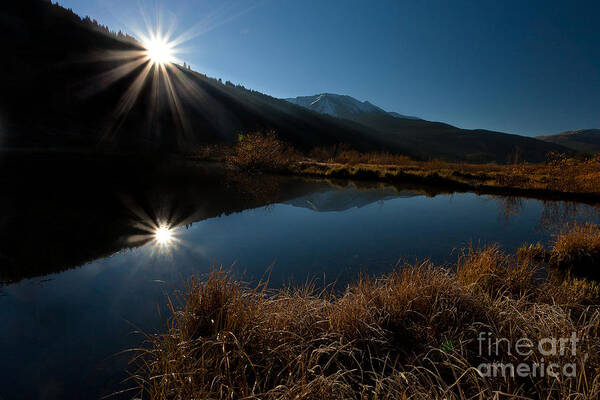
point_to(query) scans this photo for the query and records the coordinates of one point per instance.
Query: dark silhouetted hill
(55, 93)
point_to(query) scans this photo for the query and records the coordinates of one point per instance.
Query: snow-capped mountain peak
(337, 105)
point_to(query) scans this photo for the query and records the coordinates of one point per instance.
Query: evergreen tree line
(93, 23)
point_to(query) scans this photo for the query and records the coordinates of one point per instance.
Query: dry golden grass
(559, 174)
(345, 155)
(411, 334)
(485, 268)
(578, 246)
(264, 151)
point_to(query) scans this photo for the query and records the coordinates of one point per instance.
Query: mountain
(340, 106)
(397, 115)
(70, 83)
(426, 139)
(583, 140)
(335, 199)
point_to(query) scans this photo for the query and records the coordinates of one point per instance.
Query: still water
(70, 303)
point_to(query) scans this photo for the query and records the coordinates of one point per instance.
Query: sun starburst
(150, 67)
(159, 51)
(163, 235)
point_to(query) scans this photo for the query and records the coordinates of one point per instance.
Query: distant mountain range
(60, 89)
(583, 140)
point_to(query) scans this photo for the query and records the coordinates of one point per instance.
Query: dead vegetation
(258, 151)
(412, 334)
(560, 174)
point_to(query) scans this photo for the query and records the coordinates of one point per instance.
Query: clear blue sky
(526, 67)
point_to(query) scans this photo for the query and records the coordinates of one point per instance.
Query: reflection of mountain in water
(54, 217)
(332, 199)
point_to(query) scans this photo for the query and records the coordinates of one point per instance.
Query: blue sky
(526, 67)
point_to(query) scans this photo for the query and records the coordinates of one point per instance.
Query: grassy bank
(559, 175)
(419, 332)
(567, 178)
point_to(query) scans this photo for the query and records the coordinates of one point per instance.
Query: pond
(84, 274)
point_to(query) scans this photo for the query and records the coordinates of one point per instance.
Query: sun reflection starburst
(163, 236)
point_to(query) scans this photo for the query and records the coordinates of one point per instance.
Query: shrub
(258, 151)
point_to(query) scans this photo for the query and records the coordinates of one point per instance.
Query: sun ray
(107, 78)
(116, 55)
(155, 96)
(128, 99)
(174, 101)
(227, 12)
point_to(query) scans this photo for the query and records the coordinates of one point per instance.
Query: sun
(163, 235)
(159, 51)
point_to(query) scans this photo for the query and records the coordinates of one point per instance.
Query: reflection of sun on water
(163, 235)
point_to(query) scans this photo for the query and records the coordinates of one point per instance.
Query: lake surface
(81, 276)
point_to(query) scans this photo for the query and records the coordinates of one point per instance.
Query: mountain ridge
(580, 140)
(426, 139)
